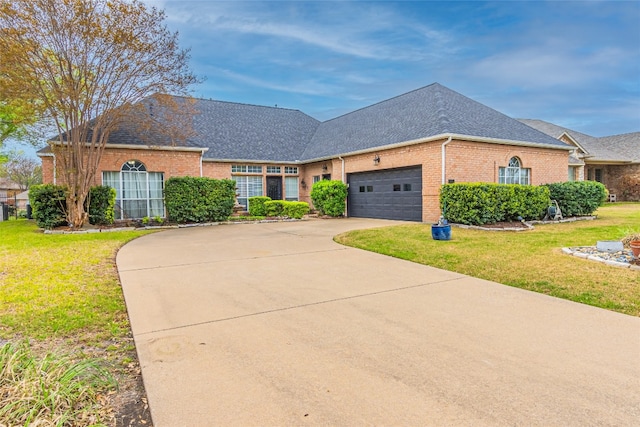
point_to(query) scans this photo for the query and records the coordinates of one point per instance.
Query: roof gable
(615, 148)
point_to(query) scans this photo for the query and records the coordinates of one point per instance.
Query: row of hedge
(49, 205)
(478, 204)
(264, 206)
(190, 199)
(482, 203)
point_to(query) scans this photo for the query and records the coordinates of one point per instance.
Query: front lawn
(61, 295)
(530, 260)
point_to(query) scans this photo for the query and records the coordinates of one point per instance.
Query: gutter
(444, 159)
(146, 147)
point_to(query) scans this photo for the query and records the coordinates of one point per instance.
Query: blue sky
(575, 64)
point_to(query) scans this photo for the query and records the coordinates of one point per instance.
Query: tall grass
(53, 390)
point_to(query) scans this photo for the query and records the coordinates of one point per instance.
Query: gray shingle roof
(233, 131)
(430, 111)
(617, 148)
(251, 132)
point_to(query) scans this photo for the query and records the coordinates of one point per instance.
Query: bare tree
(21, 169)
(89, 63)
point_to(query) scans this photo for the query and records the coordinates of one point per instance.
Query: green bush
(329, 197)
(102, 201)
(256, 205)
(274, 207)
(284, 208)
(48, 204)
(296, 210)
(191, 199)
(577, 198)
(484, 203)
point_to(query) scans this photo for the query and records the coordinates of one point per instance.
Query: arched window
(138, 192)
(514, 173)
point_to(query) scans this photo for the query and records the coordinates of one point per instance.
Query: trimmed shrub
(289, 209)
(577, 198)
(256, 205)
(484, 203)
(102, 201)
(274, 207)
(329, 197)
(48, 203)
(296, 210)
(191, 199)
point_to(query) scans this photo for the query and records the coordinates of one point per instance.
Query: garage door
(387, 194)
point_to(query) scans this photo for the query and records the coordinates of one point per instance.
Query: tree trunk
(76, 215)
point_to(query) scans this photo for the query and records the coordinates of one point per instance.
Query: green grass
(61, 295)
(530, 260)
(59, 285)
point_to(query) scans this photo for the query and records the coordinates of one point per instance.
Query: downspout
(444, 160)
(346, 214)
(201, 157)
(55, 170)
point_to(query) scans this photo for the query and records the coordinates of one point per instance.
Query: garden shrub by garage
(101, 204)
(48, 204)
(484, 203)
(329, 197)
(256, 205)
(577, 198)
(190, 199)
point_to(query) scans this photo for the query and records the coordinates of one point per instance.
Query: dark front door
(274, 187)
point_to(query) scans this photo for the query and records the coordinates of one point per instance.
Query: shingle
(422, 113)
(624, 147)
(233, 131)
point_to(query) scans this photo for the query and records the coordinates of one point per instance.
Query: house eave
(144, 147)
(441, 137)
(263, 162)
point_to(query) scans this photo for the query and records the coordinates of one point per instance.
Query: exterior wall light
(376, 160)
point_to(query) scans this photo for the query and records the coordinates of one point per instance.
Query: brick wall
(465, 162)
(171, 162)
(621, 180)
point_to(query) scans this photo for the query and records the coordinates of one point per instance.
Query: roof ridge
(382, 101)
(441, 112)
(240, 103)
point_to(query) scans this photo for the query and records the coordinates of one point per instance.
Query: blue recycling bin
(441, 232)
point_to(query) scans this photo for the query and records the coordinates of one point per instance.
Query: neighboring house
(22, 200)
(611, 160)
(394, 154)
(8, 190)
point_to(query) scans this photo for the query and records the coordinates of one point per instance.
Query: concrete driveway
(276, 325)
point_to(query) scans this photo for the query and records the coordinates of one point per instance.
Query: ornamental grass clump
(53, 390)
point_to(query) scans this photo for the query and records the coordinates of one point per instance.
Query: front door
(274, 187)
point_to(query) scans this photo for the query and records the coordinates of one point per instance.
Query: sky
(572, 63)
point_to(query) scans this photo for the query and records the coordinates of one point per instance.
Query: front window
(291, 170)
(139, 193)
(514, 173)
(247, 186)
(291, 188)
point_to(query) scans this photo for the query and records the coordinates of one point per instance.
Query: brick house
(611, 160)
(394, 154)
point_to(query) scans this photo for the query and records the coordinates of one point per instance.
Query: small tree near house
(88, 64)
